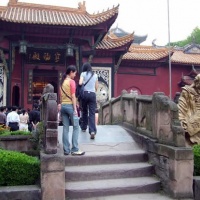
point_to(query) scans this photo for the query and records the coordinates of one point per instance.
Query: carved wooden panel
(104, 90)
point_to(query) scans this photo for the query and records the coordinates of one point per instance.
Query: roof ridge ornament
(12, 2)
(191, 48)
(81, 6)
(153, 43)
(193, 39)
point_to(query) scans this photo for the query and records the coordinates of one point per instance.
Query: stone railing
(153, 122)
(52, 158)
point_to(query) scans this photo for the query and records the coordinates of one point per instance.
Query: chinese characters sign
(30, 87)
(46, 56)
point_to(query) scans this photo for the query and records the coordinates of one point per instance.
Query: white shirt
(12, 117)
(90, 86)
(24, 118)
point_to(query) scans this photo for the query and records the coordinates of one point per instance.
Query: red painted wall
(147, 84)
(4, 44)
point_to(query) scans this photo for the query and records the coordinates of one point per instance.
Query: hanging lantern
(69, 50)
(22, 46)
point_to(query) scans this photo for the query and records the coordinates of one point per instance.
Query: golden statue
(189, 110)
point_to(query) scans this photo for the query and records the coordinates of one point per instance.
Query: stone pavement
(108, 138)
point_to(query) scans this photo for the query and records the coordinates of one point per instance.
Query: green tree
(194, 37)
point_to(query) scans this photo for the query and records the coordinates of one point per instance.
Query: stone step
(108, 171)
(107, 157)
(145, 196)
(25, 192)
(98, 188)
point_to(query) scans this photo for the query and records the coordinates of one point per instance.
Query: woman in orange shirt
(69, 111)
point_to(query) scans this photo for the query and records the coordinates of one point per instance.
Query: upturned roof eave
(109, 43)
(75, 17)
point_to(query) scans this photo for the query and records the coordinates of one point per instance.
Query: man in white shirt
(13, 119)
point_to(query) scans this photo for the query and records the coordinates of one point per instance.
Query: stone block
(106, 115)
(196, 186)
(52, 176)
(179, 136)
(51, 141)
(52, 186)
(181, 178)
(16, 142)
(128, 108)
(51, 163)
(52, 124)
(117, 115)
(178, 153)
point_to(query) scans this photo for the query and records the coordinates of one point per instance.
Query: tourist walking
(89, 101)
(24, 119)
(34, 117)
(13, 120)
(2, 116)
(69, 111)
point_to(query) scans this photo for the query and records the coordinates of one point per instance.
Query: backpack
(80, 92)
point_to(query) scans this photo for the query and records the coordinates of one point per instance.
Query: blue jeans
(89, 103)
(67, 113)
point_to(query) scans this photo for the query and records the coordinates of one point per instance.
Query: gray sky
(144, 17)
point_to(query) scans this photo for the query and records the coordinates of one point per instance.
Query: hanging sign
(45, 56)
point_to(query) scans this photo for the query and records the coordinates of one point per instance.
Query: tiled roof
(181, 57)
(19, 12)
(137, 52)
(111, 41)
(2, 8)
(120, 32)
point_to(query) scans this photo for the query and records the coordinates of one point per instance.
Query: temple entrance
(15, 96)
(40, 79)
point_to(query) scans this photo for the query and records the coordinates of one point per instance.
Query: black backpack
(80, 92)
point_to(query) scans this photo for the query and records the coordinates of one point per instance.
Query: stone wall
(20, 143)
(153, 122)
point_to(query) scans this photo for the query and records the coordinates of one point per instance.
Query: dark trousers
(13, 126)
(89, 104)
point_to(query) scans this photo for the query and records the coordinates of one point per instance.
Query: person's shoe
(66, 154)
(92, 135)
(78, 153)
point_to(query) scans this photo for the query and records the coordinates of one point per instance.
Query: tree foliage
(194, 37)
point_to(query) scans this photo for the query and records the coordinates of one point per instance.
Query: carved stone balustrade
(153, 123)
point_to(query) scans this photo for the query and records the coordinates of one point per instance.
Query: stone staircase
(101, 174)
(114, 167)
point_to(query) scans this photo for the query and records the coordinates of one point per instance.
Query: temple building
(38, 42)
(146, 69)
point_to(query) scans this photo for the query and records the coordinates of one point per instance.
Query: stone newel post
(52, 159)
(49, 112)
